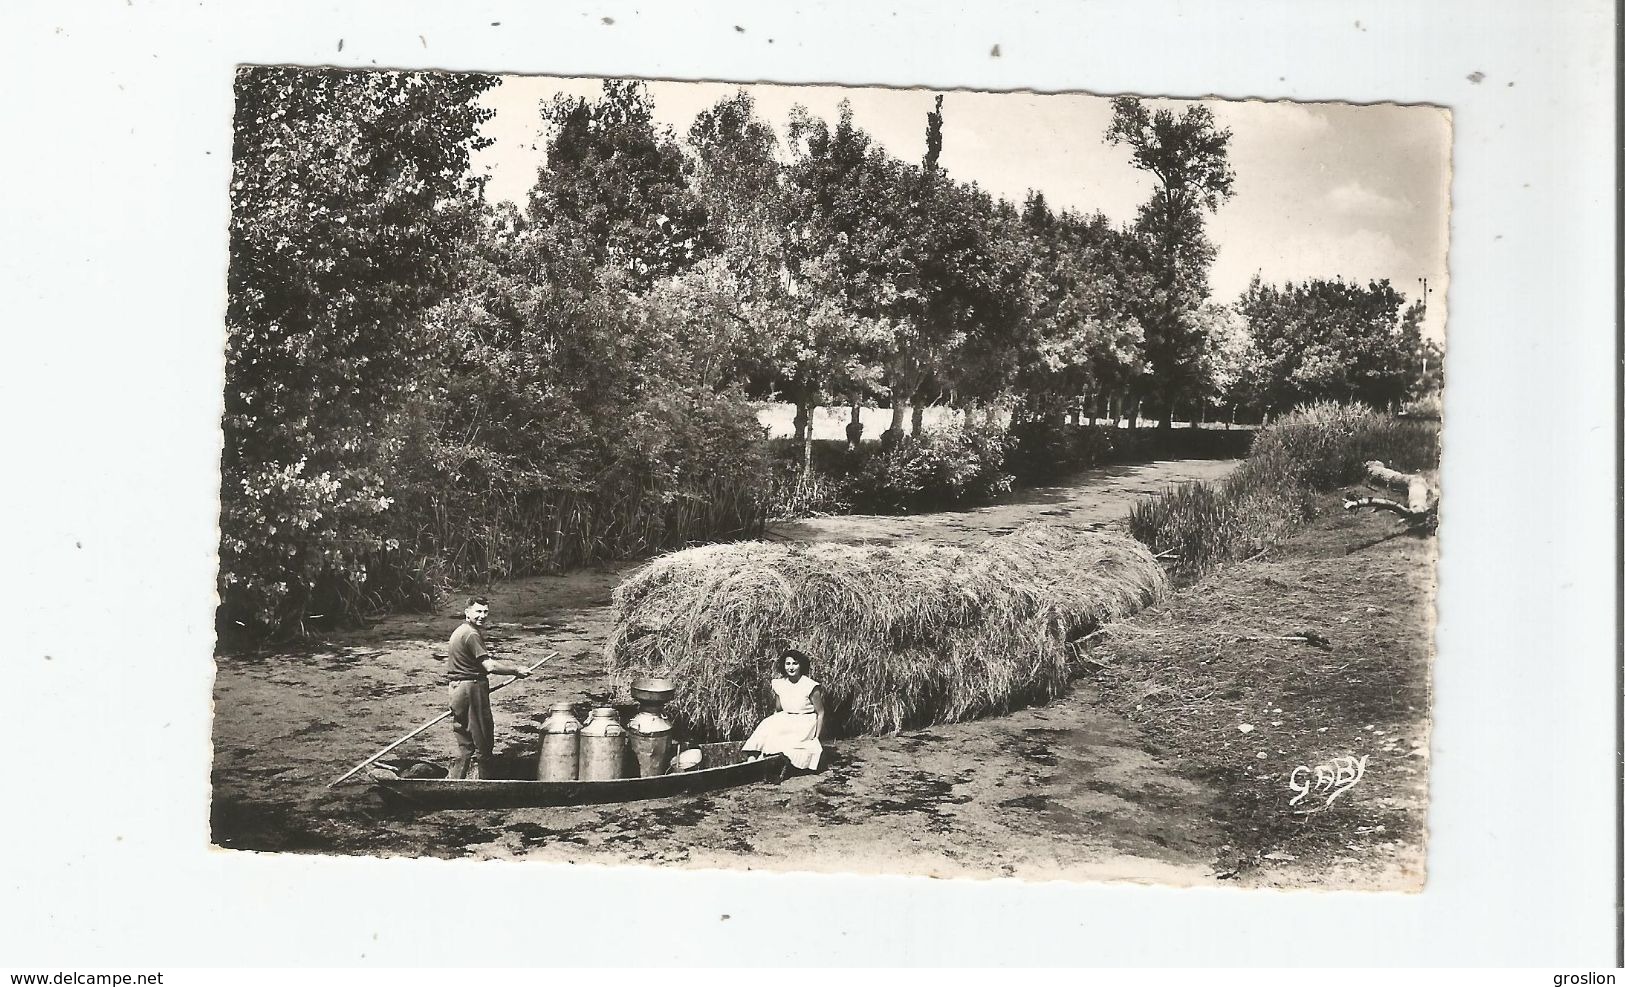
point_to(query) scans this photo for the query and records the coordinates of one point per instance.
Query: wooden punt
(722, 766)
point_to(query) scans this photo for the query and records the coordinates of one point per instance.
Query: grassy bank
(1298, 682)
(1212, 679)
(1273, 493)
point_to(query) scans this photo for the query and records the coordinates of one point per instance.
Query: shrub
(960, 465)
(1327, 445)
(791, 495)
(1429, 407)
(952, 465)
(900, 636)
(1202, 524)
(298, 546)
(1316, 448)
(689, 468)
(1044, 449)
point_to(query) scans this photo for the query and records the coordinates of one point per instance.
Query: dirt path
(1093, 497)
(1067, 790)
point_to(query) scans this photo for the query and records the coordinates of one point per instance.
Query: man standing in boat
(468, 670)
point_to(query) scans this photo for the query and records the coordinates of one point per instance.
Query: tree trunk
(807, 444)
(1133, 414)
(805, 407)
(1167, 422)
(854, 428)
(802, 420)
(893, 432)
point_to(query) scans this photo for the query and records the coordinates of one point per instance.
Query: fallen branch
(1427, 519)
(1381, 504)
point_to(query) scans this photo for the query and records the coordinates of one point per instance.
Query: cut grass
(901, 636)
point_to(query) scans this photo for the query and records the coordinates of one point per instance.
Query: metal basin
(653, 690)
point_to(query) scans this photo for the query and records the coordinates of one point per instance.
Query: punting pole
(346, 775)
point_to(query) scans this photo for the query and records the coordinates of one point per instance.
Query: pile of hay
(900, 636)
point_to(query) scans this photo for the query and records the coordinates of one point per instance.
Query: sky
(1322, 190)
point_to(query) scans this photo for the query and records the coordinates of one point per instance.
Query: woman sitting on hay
(794, 730)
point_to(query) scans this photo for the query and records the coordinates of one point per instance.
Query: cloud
(1355, 199)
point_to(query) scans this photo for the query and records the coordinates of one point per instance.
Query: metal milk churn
(649, 732)
(561, 744)
(603, 745)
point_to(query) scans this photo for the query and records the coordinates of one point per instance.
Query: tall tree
(350, 194)
(1226, 375)
(740, 181)
(1086, 342)
(744, 290)
(557, 379)
(849, 211)
(973, 271)
(1333, 340)
(925, 264)
(1188, 155)
(914, 356)
(966, 287)
(619, 184)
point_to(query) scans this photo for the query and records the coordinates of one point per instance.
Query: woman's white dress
(793, 731)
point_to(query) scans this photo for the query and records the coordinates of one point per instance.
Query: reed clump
(900, 635)
(1272, 493)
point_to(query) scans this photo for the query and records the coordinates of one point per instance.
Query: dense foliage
(421, 388)
(350, 193)
(1333, 341)
(941, 467)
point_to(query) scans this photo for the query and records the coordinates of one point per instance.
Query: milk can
(649, 732)
(561, 743)
(603, 745)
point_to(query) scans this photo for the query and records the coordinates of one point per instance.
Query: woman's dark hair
(806, 663)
